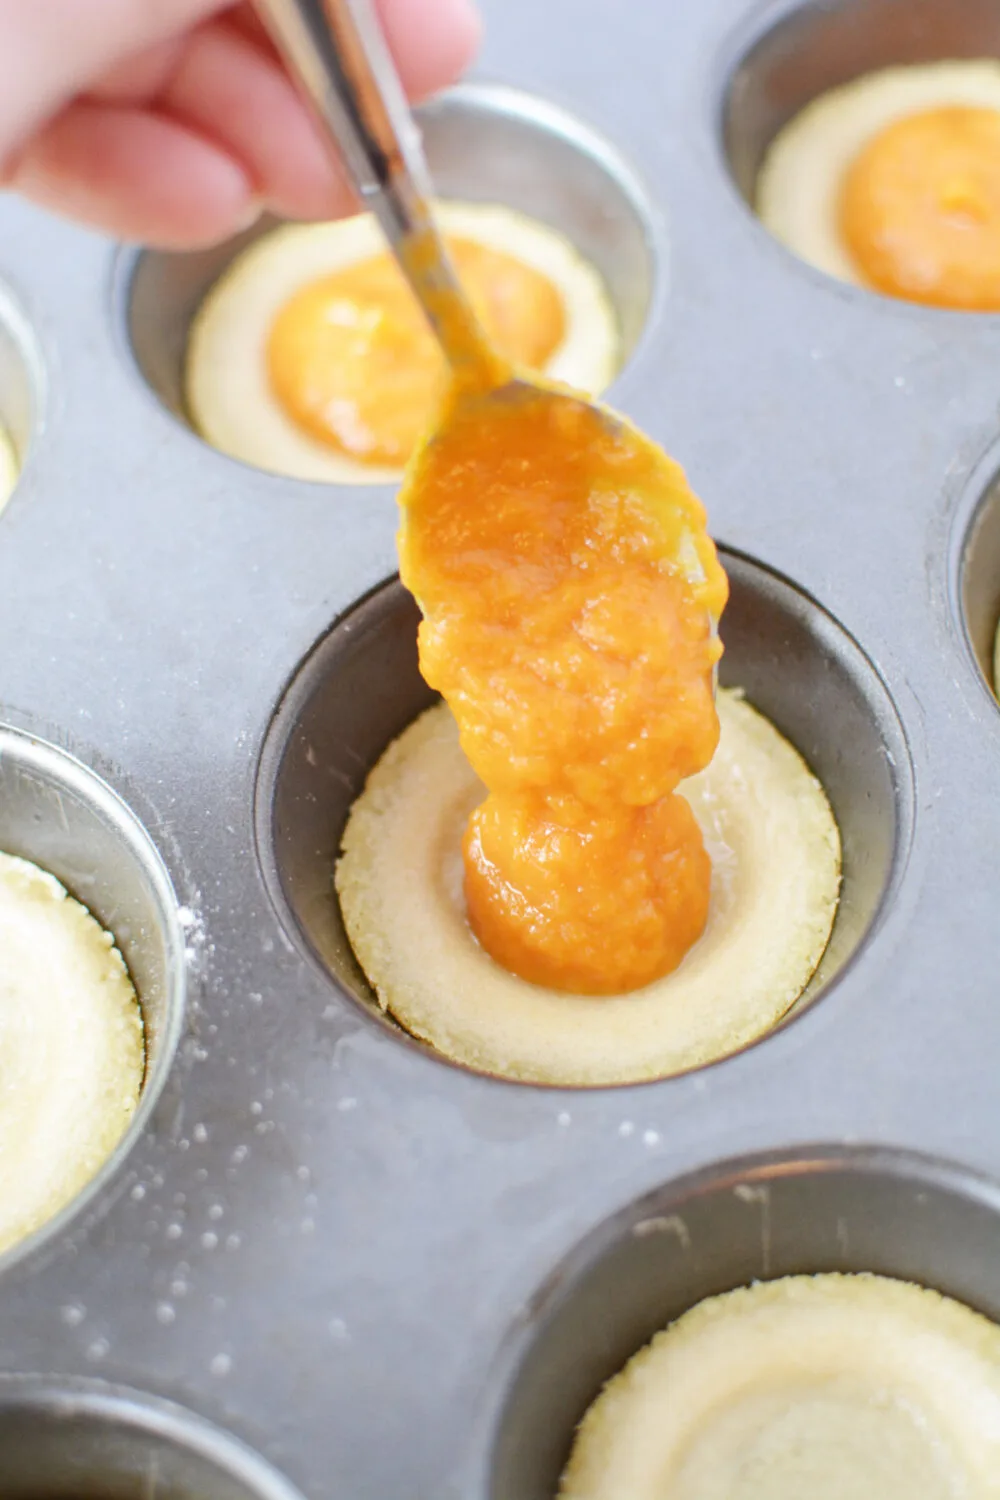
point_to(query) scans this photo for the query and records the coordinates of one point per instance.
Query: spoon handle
(336, 51)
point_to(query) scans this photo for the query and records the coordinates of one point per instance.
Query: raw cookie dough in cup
(775, 853)
(822, 1386)
(72, 1053)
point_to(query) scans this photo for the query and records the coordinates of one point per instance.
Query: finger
(60, 46)
(140, 77)
(246, 20)
(136, 175)
(432, 41)
(191, 172)
(228, 89)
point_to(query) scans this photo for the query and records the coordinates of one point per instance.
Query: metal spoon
(336, 50)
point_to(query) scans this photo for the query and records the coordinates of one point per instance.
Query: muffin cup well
(361, 686)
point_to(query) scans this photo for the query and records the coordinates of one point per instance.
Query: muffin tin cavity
(813, 48)
(485, 143)
(61, 816)
(80, 1441)
(361, 686)
(978, 582)
(754, 1219)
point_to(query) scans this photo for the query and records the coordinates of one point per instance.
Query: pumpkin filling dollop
(569, 588)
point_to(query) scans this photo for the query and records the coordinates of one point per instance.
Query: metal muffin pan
(386, 1277)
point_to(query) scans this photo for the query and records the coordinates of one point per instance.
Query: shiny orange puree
(353, 362)
(546, 551)
(920, 208)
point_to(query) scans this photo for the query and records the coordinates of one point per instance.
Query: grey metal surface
(326, 1240)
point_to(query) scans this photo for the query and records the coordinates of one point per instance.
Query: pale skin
(172, 122)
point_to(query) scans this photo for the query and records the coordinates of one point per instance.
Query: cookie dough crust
(71, 1047)
(821, 1386)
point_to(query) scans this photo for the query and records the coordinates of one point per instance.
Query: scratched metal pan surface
(325, 1262)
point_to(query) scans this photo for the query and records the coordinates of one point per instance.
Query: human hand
(172, 122)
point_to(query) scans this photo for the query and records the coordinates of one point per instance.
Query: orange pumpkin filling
(353, 363)
(920, 209)
(562, 627)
